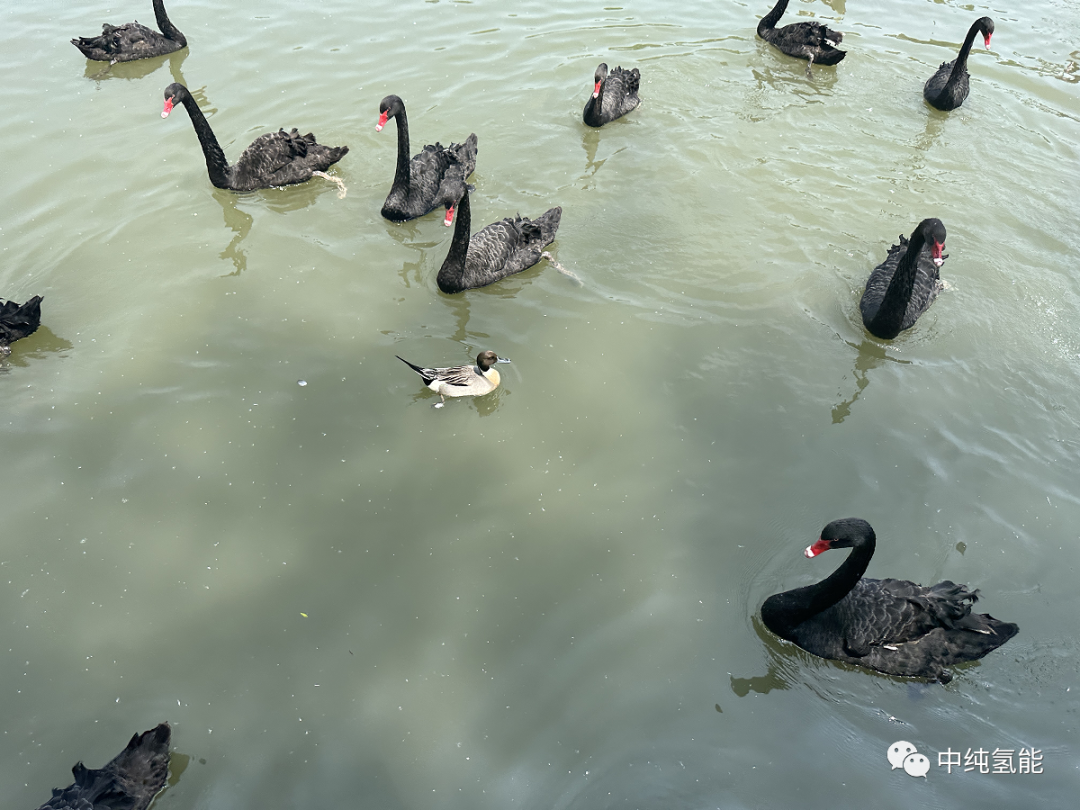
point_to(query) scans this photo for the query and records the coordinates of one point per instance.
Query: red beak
(817, 548)
(449, 216)
(596, 90)
(168, 108)
(382, 121)
(935, 252)
(988, 41)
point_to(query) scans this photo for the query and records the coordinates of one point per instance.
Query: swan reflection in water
(871, 354)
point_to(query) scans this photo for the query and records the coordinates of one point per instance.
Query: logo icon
(903, 754)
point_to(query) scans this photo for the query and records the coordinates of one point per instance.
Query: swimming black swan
(129, 782)
(275, 159)
(125, 43)
(18, 322)
(614, 95)
(499, 250)
(804, 40)
(891, 625)
(903, 286)
(417, 183)
(948, 88)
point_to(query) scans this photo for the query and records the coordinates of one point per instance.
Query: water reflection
(408, 234)
(870, 355)
(239, 221)
(40, 344)
(139, 69)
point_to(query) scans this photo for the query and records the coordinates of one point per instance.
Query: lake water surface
(340, 596)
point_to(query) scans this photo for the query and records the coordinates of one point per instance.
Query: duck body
(888, 625)
(949, 86)
(275, 159)
(129, 781)
(813, 41)
(903, 287)
(126, 43)
(614, 95)
(495, 252)
(18, 321)
(421, 181)
(462, 381)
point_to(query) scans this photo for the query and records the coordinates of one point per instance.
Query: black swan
(948, 88)
(891, 625)
(614, 95)
(903, 286)
(499, 250)
(461, 381)
(417, 183)
(18, 322)
(275, 159)
(129, 782)
(125, 43)
(804, 40)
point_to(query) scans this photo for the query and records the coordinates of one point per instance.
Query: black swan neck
(165, 25)
(890, 315)
(769, 21)
(803, 604)
(402, 176)
(960, 65)
(459, 247)
(216, 164)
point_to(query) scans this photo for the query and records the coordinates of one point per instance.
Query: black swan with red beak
(903, 286)
(889, 625)
(948, 88)
(812, 41)
(275, 159)
(126, 43)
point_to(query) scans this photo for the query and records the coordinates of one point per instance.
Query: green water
(340, 596)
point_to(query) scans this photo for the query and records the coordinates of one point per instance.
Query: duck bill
(935, 251)
(168, 108)
(502, 359)
(382, 120)
(817, 548)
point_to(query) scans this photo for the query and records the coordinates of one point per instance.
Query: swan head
(487, 359)
(843, 533)
(173, 93)
(451, 192)
(986, 25)
(598, 78)
(933, 231)
(389, 108)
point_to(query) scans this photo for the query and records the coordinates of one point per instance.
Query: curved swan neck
(402, 175)
(769, 21)
(890, 314)
(459, 247)
(165, 25)
(216, 164)
(960, 65)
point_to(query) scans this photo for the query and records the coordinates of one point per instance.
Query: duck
(126, 43)
(461, 381)
(129, 781)
(949, 86)
(275, 159)
(418, 183)
(812, 41)
(614, 95)
(18, 321)
(495, 252)
(888, 625)
(904, 286)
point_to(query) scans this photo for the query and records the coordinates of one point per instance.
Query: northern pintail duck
(18, 321)
(461, 381)
(614, 95)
